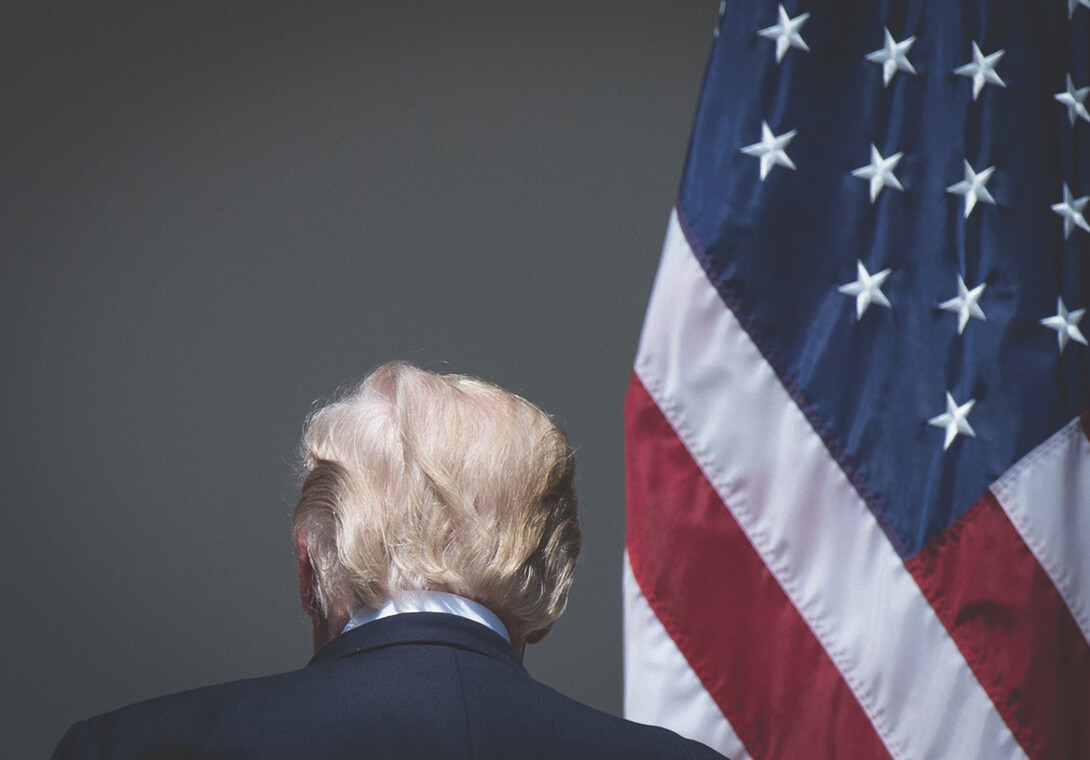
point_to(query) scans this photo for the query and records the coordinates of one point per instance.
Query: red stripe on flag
(708, 587)
(1013, 628)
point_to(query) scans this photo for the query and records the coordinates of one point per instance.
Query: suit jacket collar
(420, 628)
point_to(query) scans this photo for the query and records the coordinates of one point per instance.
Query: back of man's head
(421, 481)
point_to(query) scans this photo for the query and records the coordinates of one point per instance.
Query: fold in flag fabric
(857, 434)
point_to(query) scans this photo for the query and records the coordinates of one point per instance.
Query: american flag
(858, 438)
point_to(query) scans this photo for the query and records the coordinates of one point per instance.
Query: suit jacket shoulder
(419, 685)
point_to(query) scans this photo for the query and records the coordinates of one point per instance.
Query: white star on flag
(965, 304)
(771, 150)
(893, 57)
(786, 33)
(1075, 100)
(1071, 4)
(1066, 324)
(982, 70)
(1072, 211)
(879, 172)
(955, 420)
(866, 289)
(973, 187)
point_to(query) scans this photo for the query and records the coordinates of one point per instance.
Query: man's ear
(306, 579)
(537, 636)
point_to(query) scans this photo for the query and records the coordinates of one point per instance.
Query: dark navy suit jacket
(419, 685)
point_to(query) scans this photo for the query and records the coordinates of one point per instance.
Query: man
(436, 535)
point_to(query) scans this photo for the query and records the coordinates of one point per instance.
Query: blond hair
(416, 480)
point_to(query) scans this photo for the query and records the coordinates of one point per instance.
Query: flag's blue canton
(785, 250)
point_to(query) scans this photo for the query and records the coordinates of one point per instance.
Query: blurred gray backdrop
(213, 214)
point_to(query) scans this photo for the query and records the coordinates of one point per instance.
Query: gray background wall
(213, 214)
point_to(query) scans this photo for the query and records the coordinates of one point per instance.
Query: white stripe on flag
(1046, 495)
(660, 688)
(808, 523)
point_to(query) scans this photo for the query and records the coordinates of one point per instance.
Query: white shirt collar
(429, 601)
